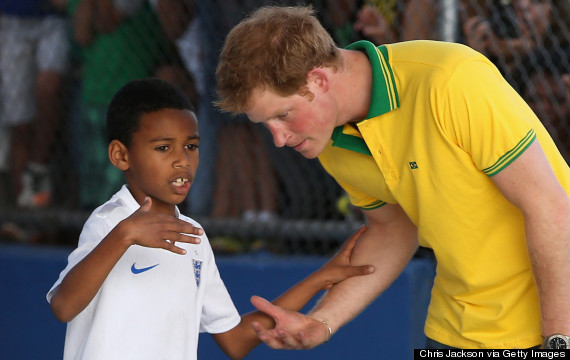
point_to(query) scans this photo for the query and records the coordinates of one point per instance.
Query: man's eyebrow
(276, 113)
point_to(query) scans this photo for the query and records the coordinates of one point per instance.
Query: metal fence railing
(246, 188)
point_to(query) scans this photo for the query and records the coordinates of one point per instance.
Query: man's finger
(306, 342)
(268, 337)
(265, 306)
(289, 342)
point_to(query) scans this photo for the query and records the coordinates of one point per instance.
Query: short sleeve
(359, 198)
(219, 313)
(486, 117)
(94, 230)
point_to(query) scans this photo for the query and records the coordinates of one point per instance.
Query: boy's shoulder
(189, 220)
(112, 207)
(118, 207)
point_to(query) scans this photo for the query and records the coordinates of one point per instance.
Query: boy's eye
(282, 116)
(162, 148)
(192, 146)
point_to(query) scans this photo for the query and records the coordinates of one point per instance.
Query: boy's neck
(156, 206)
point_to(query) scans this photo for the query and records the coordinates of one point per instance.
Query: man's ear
(119, 155)
(318, 78)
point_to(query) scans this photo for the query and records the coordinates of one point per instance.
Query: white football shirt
(154, 303)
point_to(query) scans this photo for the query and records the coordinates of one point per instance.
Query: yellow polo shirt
(441, 123)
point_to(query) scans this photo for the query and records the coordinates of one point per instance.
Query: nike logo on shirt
(141, 270)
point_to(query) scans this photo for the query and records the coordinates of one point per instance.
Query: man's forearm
(548, 239)
(388, 249)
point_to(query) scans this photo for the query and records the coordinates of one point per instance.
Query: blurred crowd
(61, 61)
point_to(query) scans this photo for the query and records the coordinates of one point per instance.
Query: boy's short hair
(139, 97)
(273, 48)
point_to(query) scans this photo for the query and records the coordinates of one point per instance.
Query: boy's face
(163, 158)
(303, 123)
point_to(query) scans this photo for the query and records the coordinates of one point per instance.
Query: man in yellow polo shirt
(439, 151)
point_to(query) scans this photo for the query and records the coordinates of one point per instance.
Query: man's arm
(239, 341)
(388, 244)
(530, 184)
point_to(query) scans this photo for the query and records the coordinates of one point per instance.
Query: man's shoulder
(431, 52)
(430, 46)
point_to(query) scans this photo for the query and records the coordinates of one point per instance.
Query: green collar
(383, 96)
(349, 141)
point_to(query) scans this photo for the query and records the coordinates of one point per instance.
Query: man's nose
(279, 135)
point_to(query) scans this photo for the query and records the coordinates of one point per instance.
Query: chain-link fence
(61, 62)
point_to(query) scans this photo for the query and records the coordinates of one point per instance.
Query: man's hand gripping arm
(388, 244)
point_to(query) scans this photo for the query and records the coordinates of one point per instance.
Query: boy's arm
(143, 228)
(239, 341)
(388, 243)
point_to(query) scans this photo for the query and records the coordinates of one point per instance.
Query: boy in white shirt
(143, 282)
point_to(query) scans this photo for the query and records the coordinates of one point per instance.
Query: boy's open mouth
(180, 181)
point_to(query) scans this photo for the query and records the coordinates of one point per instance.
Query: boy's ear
(119, 155)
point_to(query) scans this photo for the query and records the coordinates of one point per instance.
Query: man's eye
(282, 116)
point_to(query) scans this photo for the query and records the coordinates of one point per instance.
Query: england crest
(197, 265)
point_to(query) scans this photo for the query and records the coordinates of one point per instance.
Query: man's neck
(354, 84)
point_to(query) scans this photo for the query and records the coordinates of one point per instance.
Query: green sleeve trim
(511, 155)
(374, 205)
